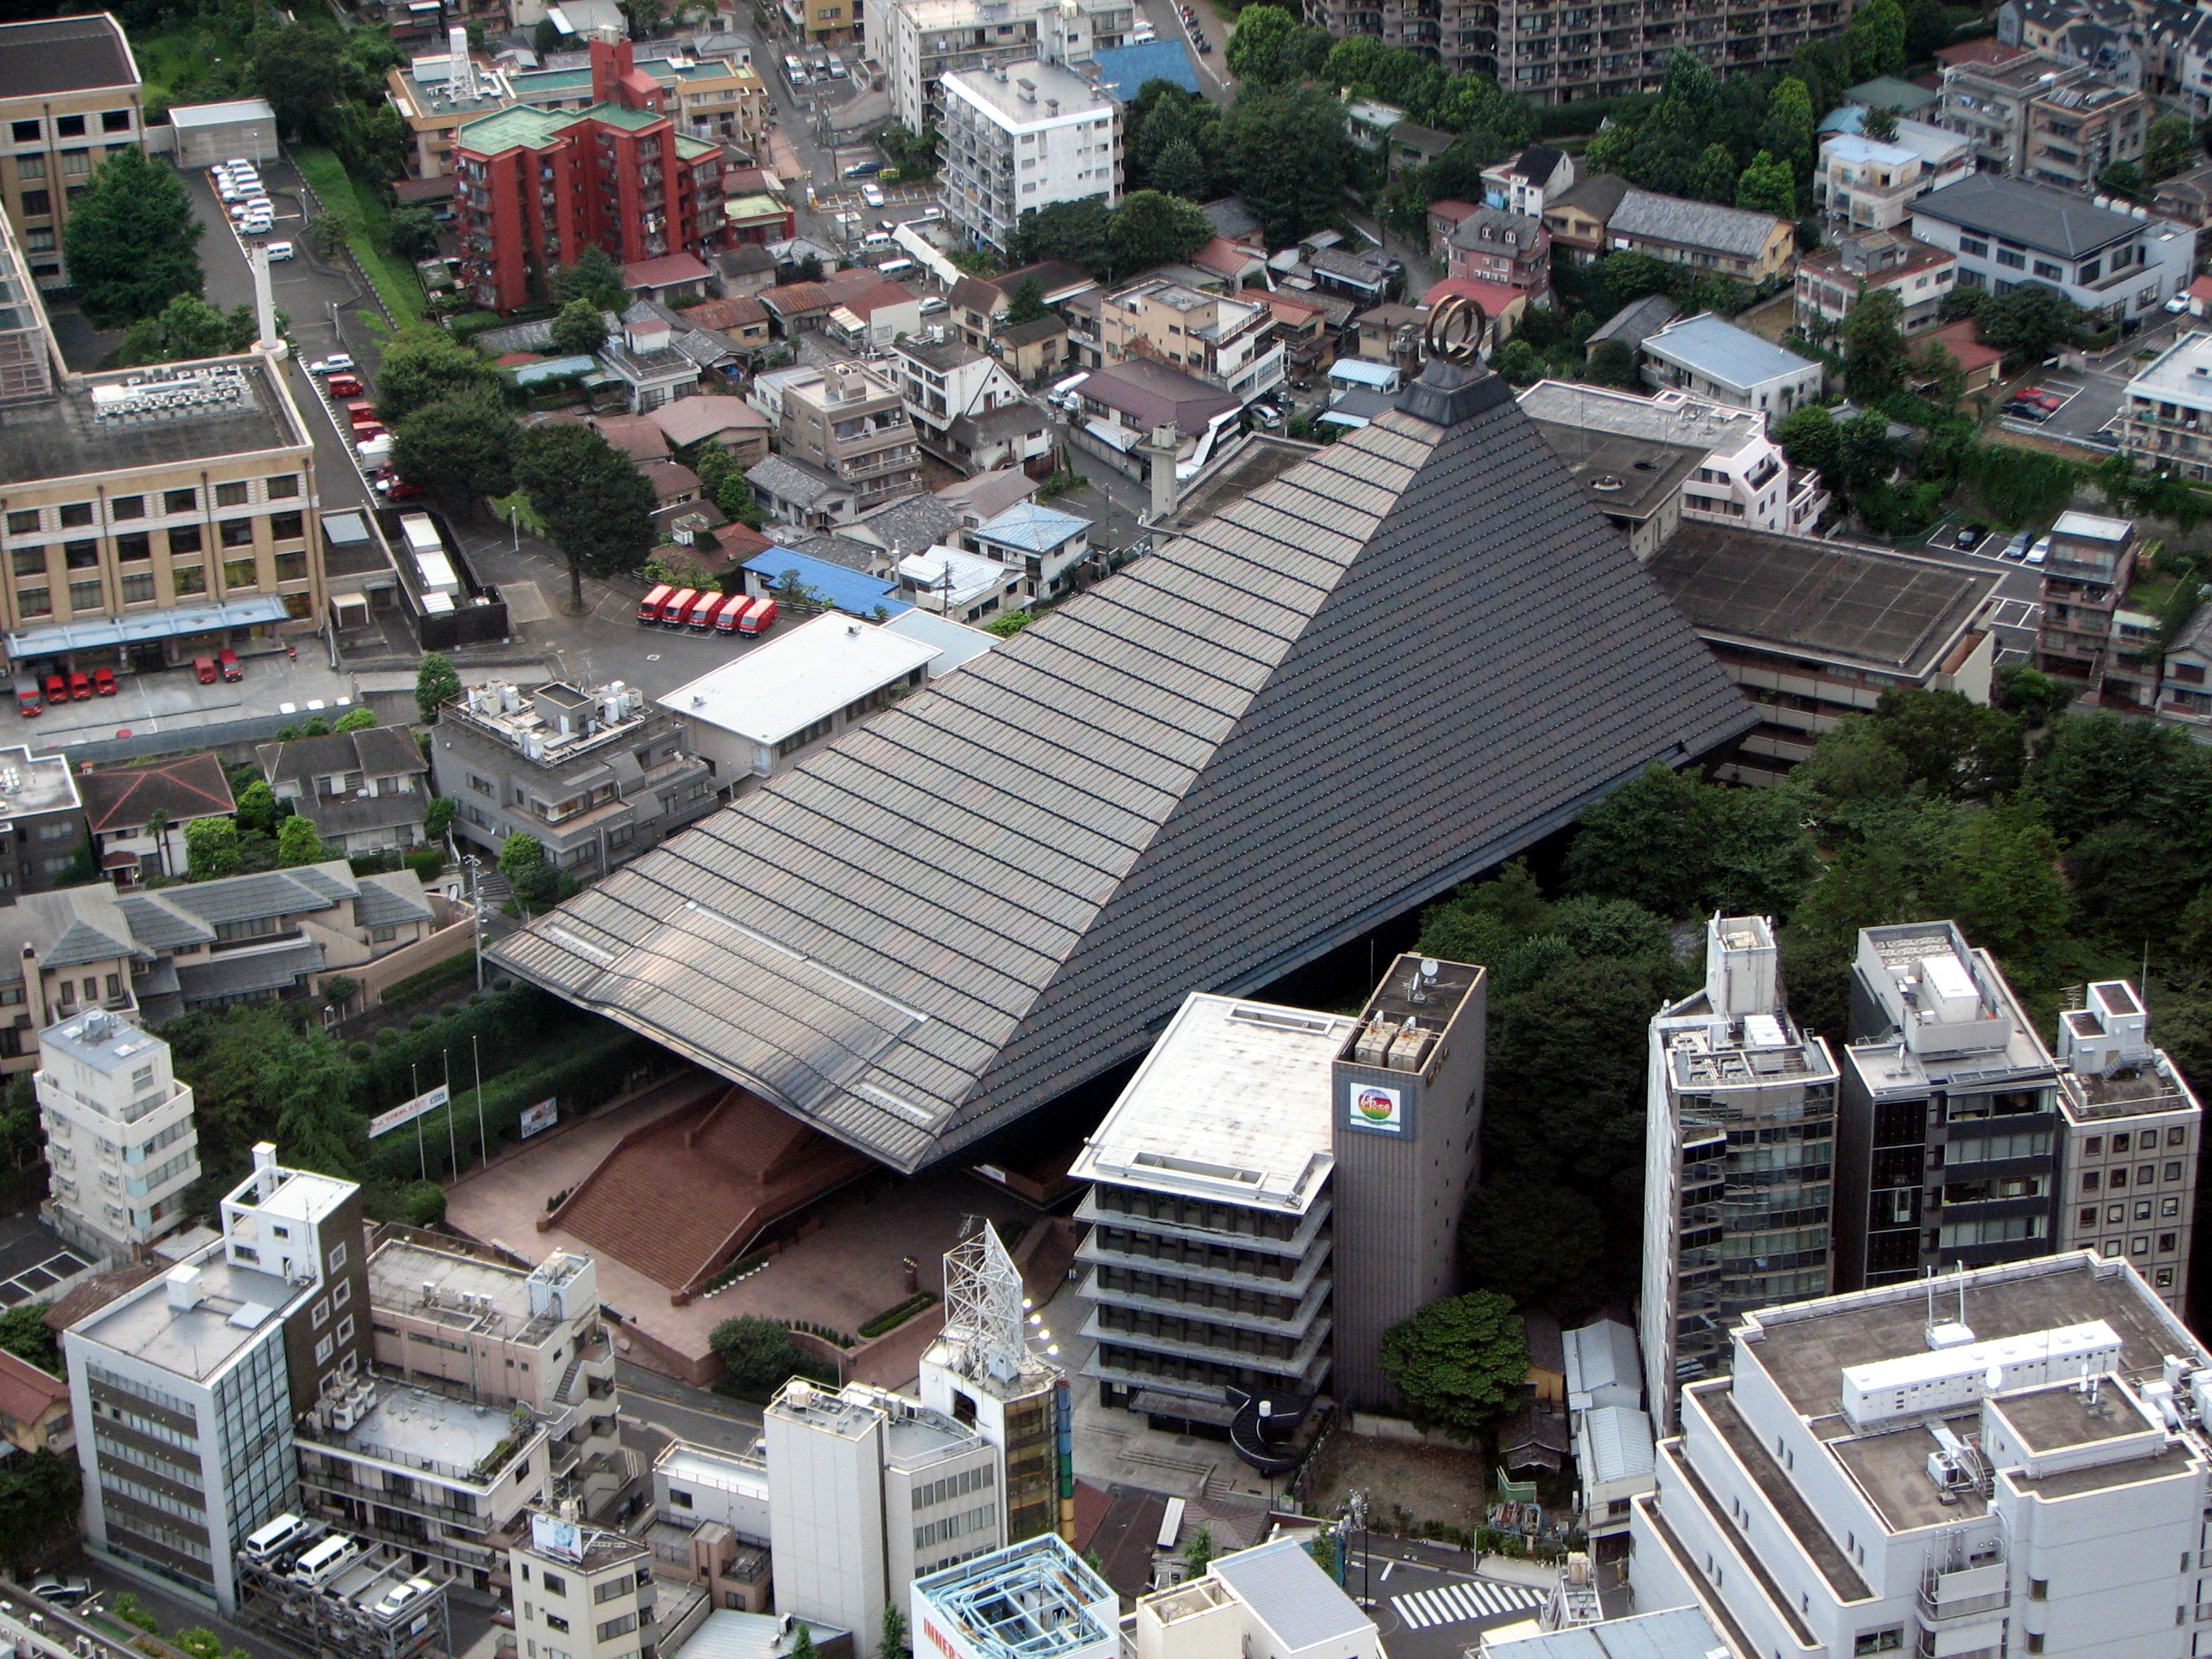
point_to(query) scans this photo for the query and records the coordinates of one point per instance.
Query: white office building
(1273, 1602)
(120, 1142)
(2010, 1461)
(920, 41)
(1021, 138)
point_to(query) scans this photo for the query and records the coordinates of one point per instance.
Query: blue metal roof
(1034, 529)
(1123, 71)
(552, 369)
(848, 590)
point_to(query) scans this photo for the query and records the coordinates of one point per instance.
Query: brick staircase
(679, 1199)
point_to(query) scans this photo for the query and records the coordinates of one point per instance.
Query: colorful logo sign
(1374, 1107)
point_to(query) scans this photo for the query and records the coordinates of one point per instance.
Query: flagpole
(415, 1093)
(452, 1151)
(483, 1146)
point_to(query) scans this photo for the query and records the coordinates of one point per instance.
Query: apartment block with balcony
(582, 1590)
(599, 774)
(70, 97)
(848, 423)
(2165, 418)
(711, 1522)
(1947, 1143)
(1865, 185)
(1224, 342)
(2044, 119)
(1740, 1139)
(2009, 1461)
(1832, 280)
(1555, 54)
(436, 93)
(2091, 561)
(919, 42)
(1020, 138)
(534, 188)
(2118, 266)
(2132, 1128)
(1497, 245)
(712, 97)
(121, 1143)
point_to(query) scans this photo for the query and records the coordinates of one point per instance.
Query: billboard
(551, 1535)
(543, 1115)
(1377, 1106)
(408, 1110)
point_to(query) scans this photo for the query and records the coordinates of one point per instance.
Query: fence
(376, 977)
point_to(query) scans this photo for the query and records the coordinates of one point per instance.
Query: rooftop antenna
(983, 1306)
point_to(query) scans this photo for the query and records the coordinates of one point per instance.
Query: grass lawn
(367, 223)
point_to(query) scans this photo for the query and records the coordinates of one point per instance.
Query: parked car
(872, 196)
(26, 703)
(934, 303)
(227, 659)
(2041, 551)
(61, 1592)
(398, 489)
(103, 682)
(80, 684)
(344, 385)
(1970, 536)
(2018, 546)
(864, 169)
(278, 252)
(2178, 304)
(204, 670)
(56, 688)
(337, 362)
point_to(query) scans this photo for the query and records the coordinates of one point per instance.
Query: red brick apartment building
(536, 187)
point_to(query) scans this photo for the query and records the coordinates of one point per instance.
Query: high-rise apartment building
(1739, 1161)
(1948, 1131)
(184, 1389)
(2008, 1461)
(121, 1145)
(70, 97)
(535, 187)
(1018, 138)
(2131, 1126)
(921, 41)
(1555, 54)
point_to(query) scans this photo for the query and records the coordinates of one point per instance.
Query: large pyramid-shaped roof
(1399, 663)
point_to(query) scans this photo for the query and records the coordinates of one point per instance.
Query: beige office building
(69, 95)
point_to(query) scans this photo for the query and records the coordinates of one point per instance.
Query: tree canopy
(459, 448)
(423, 365)
(1461, 1363)
(131, 241)
(596, 505)
(1270, 47)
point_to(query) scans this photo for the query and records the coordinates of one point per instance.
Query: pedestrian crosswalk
(1471, 1598)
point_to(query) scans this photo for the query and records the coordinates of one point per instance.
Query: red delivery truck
(648, 608)
(726, 619)
(710, 607)
(759, 614)
(677, 605)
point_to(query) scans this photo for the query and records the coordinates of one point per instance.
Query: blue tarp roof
(1123, 71)
(848, 590)
(552, 368)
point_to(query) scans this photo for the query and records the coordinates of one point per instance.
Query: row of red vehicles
(81, 685)
(668, 606)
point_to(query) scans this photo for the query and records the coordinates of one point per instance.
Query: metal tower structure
(983, 1307)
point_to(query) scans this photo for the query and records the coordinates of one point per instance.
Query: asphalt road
(680, 1412)
(1425, 1602)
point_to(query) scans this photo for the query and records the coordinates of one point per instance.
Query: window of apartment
(2093, 270)
(320, 1315)
(382, 935)
(37, 202)
(345, 1330)
(287, 526)
(2119, 1179)
(80, 556)
(2093, 1146)
(184, 538)
(338, 1257)
(75, 514)
(2169, 1206)
(283, 489)
(138, 588)
(554, 1585)
(115, 120)
(76, 164)
(189, 578)
(324, 1350)
(290, 566)
(24, 521)
(180, 500)
(2011, 260)
(34, 602)
(68, 126)
(230, 495)
(1880, 1641)
(25, 132)
(238, 573)
(30, 561)
(2175, 1137)
(237, 533)
(2048, 273)
(84, 596)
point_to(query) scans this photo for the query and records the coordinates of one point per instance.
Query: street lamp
(471, 863)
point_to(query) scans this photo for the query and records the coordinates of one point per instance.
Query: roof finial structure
(1454, 384)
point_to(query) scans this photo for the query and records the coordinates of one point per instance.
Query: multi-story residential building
(1577, 216)
(2165, 418)
(2132, 1126)
(1725, 241)
(921, 41)
(2085, 576)
(947, 382)
(1946, 1147)
(711, 1522)
(582, 1590)
(2002, 1463)
(2006, 231)
(121, 1143)
(71, 98)
(2043, 118)
(868, 1490)
(436, 93)
(151, 955)
(184, 1388)
(967, 1612)
(1525, 182)
(1832, 280)
(1811, 661)
(137, 814)
(712, 96)
(1711, 357)
(1274, 1600)
(1502, 245)
(1746, 479)
(535, 188)
(1020, 138)
(1225, 341)
(1864, 184)
(46, 839)
(451, 1316)
(598, 775)
(1739, 1138)
(848, 424)
(364, 792)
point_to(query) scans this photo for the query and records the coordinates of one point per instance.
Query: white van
(265, 1541)
(278, 251)
(876, 239)
(325, 1561)
(895, 269)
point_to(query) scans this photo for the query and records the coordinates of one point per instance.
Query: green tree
(1179, 170)
(1288, 153)
(1880, 123)
(259, 809)
(1684, 847)
(2029, 693)
(1072, 231)
(1927, 30)
(545, 40)
(1874, 350)
(1198, 1553)
(1788, 130)
(355, 720)
(1516, 360)
(438, 817)
(424, 366)
(411, 234)
(1534, 1241)
(1953, 745)
(521, 856)
(300, 71)
(1461, 1363)
(802, 1639)
(595, 277)
(25, 1334)
(596, 505)
(756, 1353)
(734, 495)
(131, 241)
(307, 1086)
(894, 1643)
(1611, 362)
(437, 685)
(579, 330)
(2030, 322)
(297, 843)
(1714, 179)
(1876, 37)
(1025, 304)
(1767, 186)
(459, 448)
(187, 328)
(40, 1494)
(211, 849)
(1270, 48)
(2169, 147)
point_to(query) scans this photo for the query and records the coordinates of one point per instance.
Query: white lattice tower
(983, 1305)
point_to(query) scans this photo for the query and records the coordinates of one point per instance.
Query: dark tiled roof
(1022, 334)
(380, 751)
(247, 898)
(63, 54)
(1538, 163)
(1000, 887)
(350, 815)
(249, 971)
(1156, 395)
(2049, 220)
(1597, 196)
(188, 786)
(386, 901)
(160, 926)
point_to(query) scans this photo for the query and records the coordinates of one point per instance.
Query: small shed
(207, 133)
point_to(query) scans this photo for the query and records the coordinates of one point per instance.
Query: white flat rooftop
(2183, 372)
(799, 678)
(1019, 95)
(687, 1465)
(1231, 1103)
(233, 1303)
